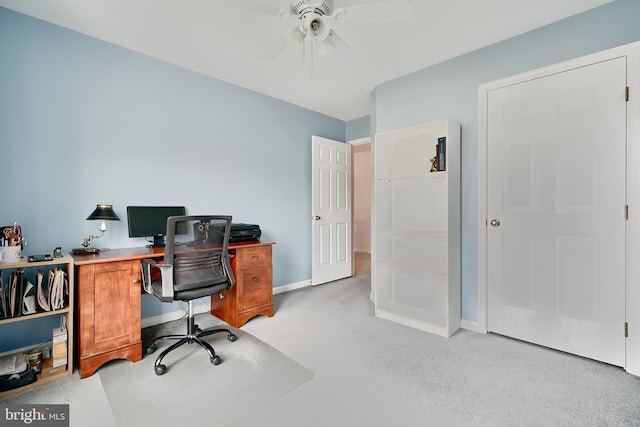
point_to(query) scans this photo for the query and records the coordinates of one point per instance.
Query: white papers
(13, 364)
(29, 299)
(57, 286)
(43, 298)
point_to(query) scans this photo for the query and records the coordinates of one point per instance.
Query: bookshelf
(417, 227)
(65, 262)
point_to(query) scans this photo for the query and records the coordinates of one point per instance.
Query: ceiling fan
(313, 30)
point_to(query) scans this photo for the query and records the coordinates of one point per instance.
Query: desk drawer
(256, 287)
(255, 257)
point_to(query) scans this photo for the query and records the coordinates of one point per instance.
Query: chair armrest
(226, 264)
(166, 278)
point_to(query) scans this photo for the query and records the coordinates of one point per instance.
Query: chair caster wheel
(160, 369)
(216, 360)
(150, 349)
(232, 337)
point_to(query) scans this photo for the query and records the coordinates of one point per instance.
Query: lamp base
(85, 251)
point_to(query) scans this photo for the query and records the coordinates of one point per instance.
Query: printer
(241, 232)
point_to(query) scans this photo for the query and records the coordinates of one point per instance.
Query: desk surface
(126, 254)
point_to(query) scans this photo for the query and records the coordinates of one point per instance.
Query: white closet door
(556, 184)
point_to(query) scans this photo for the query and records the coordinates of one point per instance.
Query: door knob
(495, 222)
(317, 218)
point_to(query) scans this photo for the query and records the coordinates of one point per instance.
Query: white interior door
(556, 190)
(331, 210)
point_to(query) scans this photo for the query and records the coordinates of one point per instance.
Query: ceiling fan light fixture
(317, 26)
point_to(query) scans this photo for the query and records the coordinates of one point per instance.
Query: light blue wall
(449, 90)
(84, 122)
(358, 128)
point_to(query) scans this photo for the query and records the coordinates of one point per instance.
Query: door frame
(632, 53)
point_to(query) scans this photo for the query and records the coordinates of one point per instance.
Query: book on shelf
(442, 153)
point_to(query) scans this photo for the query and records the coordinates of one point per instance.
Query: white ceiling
(226, 43)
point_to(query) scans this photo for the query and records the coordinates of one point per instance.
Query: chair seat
(188, 294)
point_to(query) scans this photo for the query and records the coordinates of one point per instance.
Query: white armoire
(417, 227)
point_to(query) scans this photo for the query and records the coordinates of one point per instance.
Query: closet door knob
(495, 222)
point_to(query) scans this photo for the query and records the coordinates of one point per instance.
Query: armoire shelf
(417, 228)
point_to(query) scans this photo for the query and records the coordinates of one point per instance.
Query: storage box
(49, 370)
(59, 353)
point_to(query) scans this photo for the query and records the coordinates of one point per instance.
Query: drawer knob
(256, 257)
(256, 279)
(135, 281)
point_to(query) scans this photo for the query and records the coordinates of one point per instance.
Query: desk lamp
(102, 213)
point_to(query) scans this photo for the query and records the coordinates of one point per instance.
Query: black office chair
(196, 264)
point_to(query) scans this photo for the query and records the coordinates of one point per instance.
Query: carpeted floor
(191, 392)
(351, 369)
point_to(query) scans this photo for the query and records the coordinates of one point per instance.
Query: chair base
(194, 335)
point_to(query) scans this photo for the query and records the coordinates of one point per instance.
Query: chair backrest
(197, 247)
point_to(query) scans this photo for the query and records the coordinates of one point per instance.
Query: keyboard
(39, 258)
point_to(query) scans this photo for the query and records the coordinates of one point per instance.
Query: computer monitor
(151, 221)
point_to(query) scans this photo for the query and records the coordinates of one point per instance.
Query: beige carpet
(194, 391)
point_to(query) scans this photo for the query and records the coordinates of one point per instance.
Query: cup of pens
(11, 242)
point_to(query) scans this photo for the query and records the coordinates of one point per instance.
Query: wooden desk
(108, 299)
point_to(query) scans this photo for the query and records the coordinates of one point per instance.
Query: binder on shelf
(13, 289)
(3, 299)
(19, 292)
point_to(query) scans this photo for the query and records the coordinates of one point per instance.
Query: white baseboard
(472, 326)
(291, 287)
(205, 307)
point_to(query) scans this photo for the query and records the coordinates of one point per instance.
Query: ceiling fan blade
(333, 42)
(253, 6)
(293, 38)
(372, 11)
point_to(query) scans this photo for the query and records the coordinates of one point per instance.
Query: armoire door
(555, 201)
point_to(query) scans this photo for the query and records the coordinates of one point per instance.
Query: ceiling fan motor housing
(301, 7)
(312, 15)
